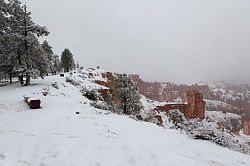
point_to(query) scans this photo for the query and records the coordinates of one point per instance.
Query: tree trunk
(27, 79)
(10, 78)
(125, 106)
(26, 48)
(21, 79)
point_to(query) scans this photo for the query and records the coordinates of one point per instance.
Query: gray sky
(162, 40)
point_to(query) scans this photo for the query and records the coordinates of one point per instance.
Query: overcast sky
(162, 40)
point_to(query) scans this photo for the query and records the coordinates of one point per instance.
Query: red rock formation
(106, 94)
(110, 80)
(194, 109)
(159, 120)
(196, 105)
(246, 129)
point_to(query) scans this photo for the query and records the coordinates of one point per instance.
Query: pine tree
(18, 28)
(126, 93)
(3, 18)
(67, 60)
(49, 54)
(56, 64)
(38, 58)
(9, 54)
(30, 29)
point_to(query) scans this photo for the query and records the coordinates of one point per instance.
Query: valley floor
(56, 136)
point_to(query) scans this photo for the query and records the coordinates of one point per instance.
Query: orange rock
(159, 120)
(194, 109)
(246, 129)
(196, 105)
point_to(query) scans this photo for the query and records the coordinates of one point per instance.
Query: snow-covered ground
(56, 136)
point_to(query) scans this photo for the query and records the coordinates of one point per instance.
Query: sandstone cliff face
(246, 129)
(194, 109)
(107, 94)
(110, 80)
(196, 105)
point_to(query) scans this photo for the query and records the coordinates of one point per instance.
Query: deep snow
(55, 136)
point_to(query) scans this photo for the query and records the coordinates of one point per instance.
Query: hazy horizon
(177, 41)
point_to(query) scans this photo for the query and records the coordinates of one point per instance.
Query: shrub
(91, 95)
(72, 81)
(100, 105)
(176, 119)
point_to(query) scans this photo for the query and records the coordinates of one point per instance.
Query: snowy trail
(56, 136)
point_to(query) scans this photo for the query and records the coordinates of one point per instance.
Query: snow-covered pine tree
(4, 17)
(56, 64)
(31, 29)
(38, 58)
(9, 53)
(67, 60)
(126, 93)
(19, 28)
(49, 54)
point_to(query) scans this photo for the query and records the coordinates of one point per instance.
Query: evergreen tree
(38, 58)
(56, 64)
(3, 18)
(9, 45)
(126, 93)
(67, 60)
(18, 28)
(49, 54)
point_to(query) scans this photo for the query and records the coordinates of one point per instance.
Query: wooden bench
(32, 102)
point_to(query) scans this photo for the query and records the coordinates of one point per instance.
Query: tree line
(21, 53)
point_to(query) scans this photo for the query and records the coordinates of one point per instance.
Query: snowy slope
(56, 136)
(220, 116)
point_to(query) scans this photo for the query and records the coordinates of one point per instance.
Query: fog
(162, 40)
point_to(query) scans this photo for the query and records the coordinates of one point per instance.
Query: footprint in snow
(60, 134)
(2, 156)
(214, 163)
(73, 137)
(23, 162)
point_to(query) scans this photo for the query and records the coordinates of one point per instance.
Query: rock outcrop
(196, 105)
(246, 129)
(194, 109)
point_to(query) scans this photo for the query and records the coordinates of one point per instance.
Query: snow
(220, 116)
(55, 135)
(218, 105)
(94, 74)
